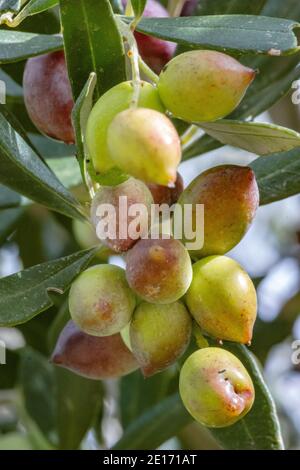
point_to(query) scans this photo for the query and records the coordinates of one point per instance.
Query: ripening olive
(203, 85)
(159, 335)
(159, 271)
(215, 387)
(230, 197)
(114, 101)
(144, 143)
(222, 299)
(100, 300)
(48, 96)
(92, 357)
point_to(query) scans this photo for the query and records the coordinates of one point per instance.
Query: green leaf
(51, 148)
(268, 87)
(268, 334)
(230, 33)
(38, 391)
(256, 137)
(96, 46)
(16, 45)
(13, 89)
(23, 170)
(138, 7)
(78, 402)
(139, 394)
(67, 170)
(278, 176)
(8, 371)
(287, 9)
(33, 7)
(26, 294)
(15, 440)
(80, 116)
(155, 426)
(8, 198)
(62, 405)
(260, 429)
(9, 219)
(222, 7)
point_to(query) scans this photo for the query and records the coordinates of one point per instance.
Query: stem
(147, 71)
(200, 340)
(133, 55)
(175, 7)
(188, 136)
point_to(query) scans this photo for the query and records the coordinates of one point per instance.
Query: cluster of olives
(142, 317)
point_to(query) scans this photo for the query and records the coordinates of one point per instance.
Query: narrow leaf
(8, 198)
(138, 7)
(155, 426)
(256, 137)
(80, 116)
(78, 401)
(26, 294)
(96, 47)
(23, 170)
(138, 395)
(236, 7)
(67, 170)
(16, 45)
(37, 389)
(278, 176)
(235, 33)
(9, 219)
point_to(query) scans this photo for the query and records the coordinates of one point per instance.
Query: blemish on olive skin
(222, 371)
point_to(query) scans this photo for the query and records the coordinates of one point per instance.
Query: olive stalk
(133, 56)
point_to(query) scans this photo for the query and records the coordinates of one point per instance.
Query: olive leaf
(138, 395)
(96, 47)
(256, 137)
(17, 45)
(26, 294)
(9, 219)
(22, 169)
(155, 426)
(278, 176)
(229, 33)
(8, 198)
(67, 170)
(138, 7)
(80, 116)
(234, 7)
(63, 405)
(78, 402)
